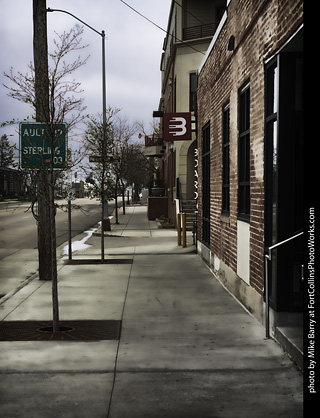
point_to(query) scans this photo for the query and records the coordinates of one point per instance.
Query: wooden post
(179, 228)
(184, 230)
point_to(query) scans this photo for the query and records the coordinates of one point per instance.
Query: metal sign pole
(69, 224)
(70, 196)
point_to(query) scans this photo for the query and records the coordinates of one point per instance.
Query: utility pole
(105, 221)
(45, 189)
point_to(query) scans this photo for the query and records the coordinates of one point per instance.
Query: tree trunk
(44, 227)
(40, 53)
(46, 209)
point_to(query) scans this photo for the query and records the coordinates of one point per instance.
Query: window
(225, 160)
(206, 184)
(244, 154)
(271, 169)
(271, 148)
(193, 84)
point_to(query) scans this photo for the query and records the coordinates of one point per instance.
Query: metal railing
(153, 140)
(200, 31)
(268, 257)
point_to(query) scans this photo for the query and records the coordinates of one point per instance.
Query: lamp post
(104, 109)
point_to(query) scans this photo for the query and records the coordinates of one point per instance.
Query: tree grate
(94, 261)
(78, 330)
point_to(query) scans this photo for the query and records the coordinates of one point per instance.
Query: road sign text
(40, 146)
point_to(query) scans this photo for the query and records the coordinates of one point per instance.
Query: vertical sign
(196, 156)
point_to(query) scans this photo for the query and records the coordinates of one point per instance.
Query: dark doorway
(284, 175)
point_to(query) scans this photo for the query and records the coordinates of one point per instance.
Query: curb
(23, 284)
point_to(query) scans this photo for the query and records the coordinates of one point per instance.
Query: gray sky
(133, 53)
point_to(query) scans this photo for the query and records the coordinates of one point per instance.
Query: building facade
(191, 26)
(250, 145)
(11, 183)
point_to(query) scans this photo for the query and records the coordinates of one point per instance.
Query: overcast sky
(133, 53)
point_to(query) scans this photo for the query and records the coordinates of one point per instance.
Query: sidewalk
(187, 348)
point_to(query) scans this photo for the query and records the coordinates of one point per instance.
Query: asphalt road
(18, 236)
(18, 228)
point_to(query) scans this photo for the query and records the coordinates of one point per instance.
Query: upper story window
(225, 160)
(193, 84)
(244, 154)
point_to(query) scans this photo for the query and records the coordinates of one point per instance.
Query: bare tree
(52, 95)
(98, 147)
(124, 132)
(123, 164)
(64, 100)
(137, 169)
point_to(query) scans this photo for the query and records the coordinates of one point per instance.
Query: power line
(136, 11)
(191, 14)
(159, 27)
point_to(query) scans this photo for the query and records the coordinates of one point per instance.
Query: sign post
(37, 144)
(70, 196)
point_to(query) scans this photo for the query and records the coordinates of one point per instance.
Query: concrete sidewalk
(187, 348)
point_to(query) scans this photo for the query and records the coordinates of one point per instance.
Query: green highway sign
(39, 146)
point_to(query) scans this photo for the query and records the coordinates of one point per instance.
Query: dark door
(284, 178)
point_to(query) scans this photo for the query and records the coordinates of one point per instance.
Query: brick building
(249, 118)
(191, 26)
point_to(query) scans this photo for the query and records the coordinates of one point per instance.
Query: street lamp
(104, 109)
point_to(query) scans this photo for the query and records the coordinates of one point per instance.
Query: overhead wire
(187, 11)
(159, 27)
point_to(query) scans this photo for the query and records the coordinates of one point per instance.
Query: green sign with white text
(40, 145)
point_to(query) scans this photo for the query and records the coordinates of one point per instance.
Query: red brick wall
(259, 28)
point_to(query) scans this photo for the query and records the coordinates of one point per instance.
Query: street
(18, 238)
(19, 229)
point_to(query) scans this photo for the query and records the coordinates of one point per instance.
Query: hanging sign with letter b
(177, 126)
